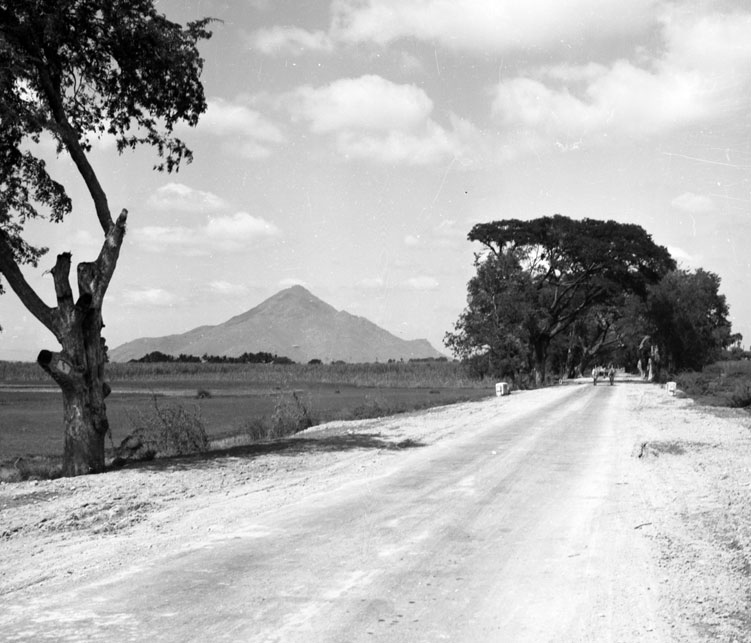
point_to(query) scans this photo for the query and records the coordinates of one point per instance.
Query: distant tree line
(245, 358)
(553, 297)
(156, 357)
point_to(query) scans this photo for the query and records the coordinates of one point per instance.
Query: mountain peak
(293, 323)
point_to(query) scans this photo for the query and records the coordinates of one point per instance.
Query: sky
(350, 145)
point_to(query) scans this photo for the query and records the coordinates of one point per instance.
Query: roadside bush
(257, 429)
(290, 416)
(741, 395)
(168, 430)
(31, 468)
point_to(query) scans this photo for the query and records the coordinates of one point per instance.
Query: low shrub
(167, 430)
(31, 468)
(290, 416)
(740, 397)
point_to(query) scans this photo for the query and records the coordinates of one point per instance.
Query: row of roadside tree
(553, 296)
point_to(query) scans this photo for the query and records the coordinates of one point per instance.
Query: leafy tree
(688, 319)
(493, 333)
(76, 70)
(570, 268)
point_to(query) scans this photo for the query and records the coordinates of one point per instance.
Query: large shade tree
(72, 71)
(687, 319)
(493, 333)
(574, 267)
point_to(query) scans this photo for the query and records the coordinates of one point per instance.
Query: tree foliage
(82, 69)
(571, 271)
(558, 294)
(688, 319)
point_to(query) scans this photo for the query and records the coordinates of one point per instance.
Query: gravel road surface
(551, 515)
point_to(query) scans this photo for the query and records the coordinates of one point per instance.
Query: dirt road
(526, 518)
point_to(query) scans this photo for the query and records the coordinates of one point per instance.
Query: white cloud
(369, 103)
(246, 132)
(693, 203)
(421, 283)
(714, 42)
(232, 233)
(239, 228)
(703, 70)
(622, 99)
(489, 25)
(150, 297)
(373, 118)
(289, 40)
(177, 196)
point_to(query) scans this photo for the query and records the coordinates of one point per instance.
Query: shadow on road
(291, 446)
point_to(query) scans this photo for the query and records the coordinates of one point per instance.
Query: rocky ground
(694, 470)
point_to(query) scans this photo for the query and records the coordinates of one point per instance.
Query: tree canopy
(570, 269)
(688, 318)
(81, 69)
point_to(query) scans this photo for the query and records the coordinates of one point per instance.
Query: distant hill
(293, 323)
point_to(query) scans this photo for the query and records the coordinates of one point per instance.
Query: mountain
(293, 323)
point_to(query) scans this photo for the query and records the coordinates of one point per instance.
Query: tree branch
(60, 273)
(61, 369)
(72, 143)
(94, 278)
(23, 290)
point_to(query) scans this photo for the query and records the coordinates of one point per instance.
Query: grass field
(233, 397)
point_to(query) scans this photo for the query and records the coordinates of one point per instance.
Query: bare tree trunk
(79, 371)
(541, 358)
(83, 451)
(78, 368)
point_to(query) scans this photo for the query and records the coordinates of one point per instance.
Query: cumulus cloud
(232, 233)
(702, 71)
(488, 25)
(374, 118)
(178, 196)
(712, 42)
(289, 40)
(422, 283)
(245, 131)
(621, 99)
(480, 26)
(693, 203)
(368, 102)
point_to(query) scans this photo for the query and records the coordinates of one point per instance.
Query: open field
(232, 396)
